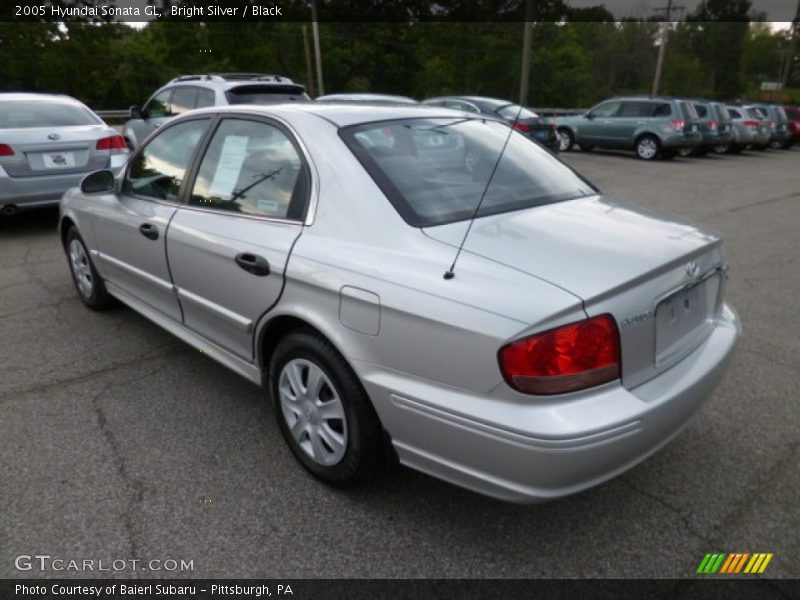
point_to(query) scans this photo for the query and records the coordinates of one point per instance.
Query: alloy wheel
(81, 268)
(647, 148)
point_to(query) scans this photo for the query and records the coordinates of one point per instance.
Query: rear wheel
(722, 149)
(776, 145)
(90, 287)
(323, 412)
(648, 147)
(685, 152)
(565, 140)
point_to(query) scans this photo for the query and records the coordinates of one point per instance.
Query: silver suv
(214, 89)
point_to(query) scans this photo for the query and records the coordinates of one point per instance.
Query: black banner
(399, 589)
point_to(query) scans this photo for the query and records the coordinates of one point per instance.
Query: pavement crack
(670, 507)
(135, 486)
(747, 206)
(150, 356)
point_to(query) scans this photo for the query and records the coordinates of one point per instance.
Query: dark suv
(654, 127)
(214, 89)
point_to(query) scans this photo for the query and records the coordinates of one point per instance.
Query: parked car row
(664, 127)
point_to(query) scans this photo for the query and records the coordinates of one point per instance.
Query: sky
(777, 10)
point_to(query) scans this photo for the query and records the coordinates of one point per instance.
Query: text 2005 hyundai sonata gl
(306, 247)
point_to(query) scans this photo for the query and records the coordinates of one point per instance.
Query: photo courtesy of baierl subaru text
(366, 299)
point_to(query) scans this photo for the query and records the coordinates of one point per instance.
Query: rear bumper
(712, 139)
(44, 190)
(677, 141)
(525, 449)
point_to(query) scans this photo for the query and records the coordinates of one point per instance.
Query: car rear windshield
(510, 112)
(24, 115)
(266, 94)
(435, 171)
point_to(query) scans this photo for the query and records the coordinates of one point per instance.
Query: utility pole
(525, 76)
(317, 53)
(309, 70)
(662, 47)
(790, 51)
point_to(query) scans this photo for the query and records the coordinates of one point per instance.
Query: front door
(132, 237)
(229, 245)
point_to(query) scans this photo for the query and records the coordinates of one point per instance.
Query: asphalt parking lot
(118, 441)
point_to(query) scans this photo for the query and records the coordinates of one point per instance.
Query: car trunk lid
(54, 150)
(660, 277)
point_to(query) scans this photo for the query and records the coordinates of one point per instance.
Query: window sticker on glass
(234, 150)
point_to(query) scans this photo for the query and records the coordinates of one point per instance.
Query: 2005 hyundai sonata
(309, 248)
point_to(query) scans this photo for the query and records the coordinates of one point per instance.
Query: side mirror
(99, 182)
(136, 112)
(589, 116)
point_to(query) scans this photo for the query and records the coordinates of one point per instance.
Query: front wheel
(776, 145)
(722, 149)
(648, 147)
(90, 287)
(565, 140)
(323, 412)
(685, 152)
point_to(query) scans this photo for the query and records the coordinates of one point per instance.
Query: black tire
(776, 145)
(364, 447)
(586, 147)
(648, 147)
(735, 149)
(686, 152)
(566, 140)
(97, 297)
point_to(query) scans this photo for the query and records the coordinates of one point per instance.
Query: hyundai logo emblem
(692, 269)
(53, 136)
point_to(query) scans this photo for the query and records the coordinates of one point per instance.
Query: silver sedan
(48, 143)
(314, 250)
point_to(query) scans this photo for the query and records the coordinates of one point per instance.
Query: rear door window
(183, 99)
(701, 109)
(252, 168)
(635, 109)
(735, 113)
(204, 98)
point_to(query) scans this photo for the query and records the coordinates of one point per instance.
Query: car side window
(204, 98)
(252, 168)
(662, 109)
(701, 110)
(734, 113)
(606, 110)
(159, 105)
(183, 99)
(158, 170)
(634, 109)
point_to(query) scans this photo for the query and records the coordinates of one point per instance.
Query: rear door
(599, 125)
(230, 242)
(631, 116)
(131, 231)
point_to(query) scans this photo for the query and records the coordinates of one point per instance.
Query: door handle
(252, 263)
(149, 231)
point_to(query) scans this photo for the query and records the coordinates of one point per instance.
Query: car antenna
(451, 272)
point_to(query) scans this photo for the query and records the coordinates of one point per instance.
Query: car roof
(344, 115)
(35, 97)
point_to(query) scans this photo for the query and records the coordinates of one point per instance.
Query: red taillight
(565, 359)
(677, 124)
(752, 124)
(712, 125)
(6, 150)
(523, 127)
(113, 142)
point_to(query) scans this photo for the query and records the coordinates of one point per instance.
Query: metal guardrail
(113, 114)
